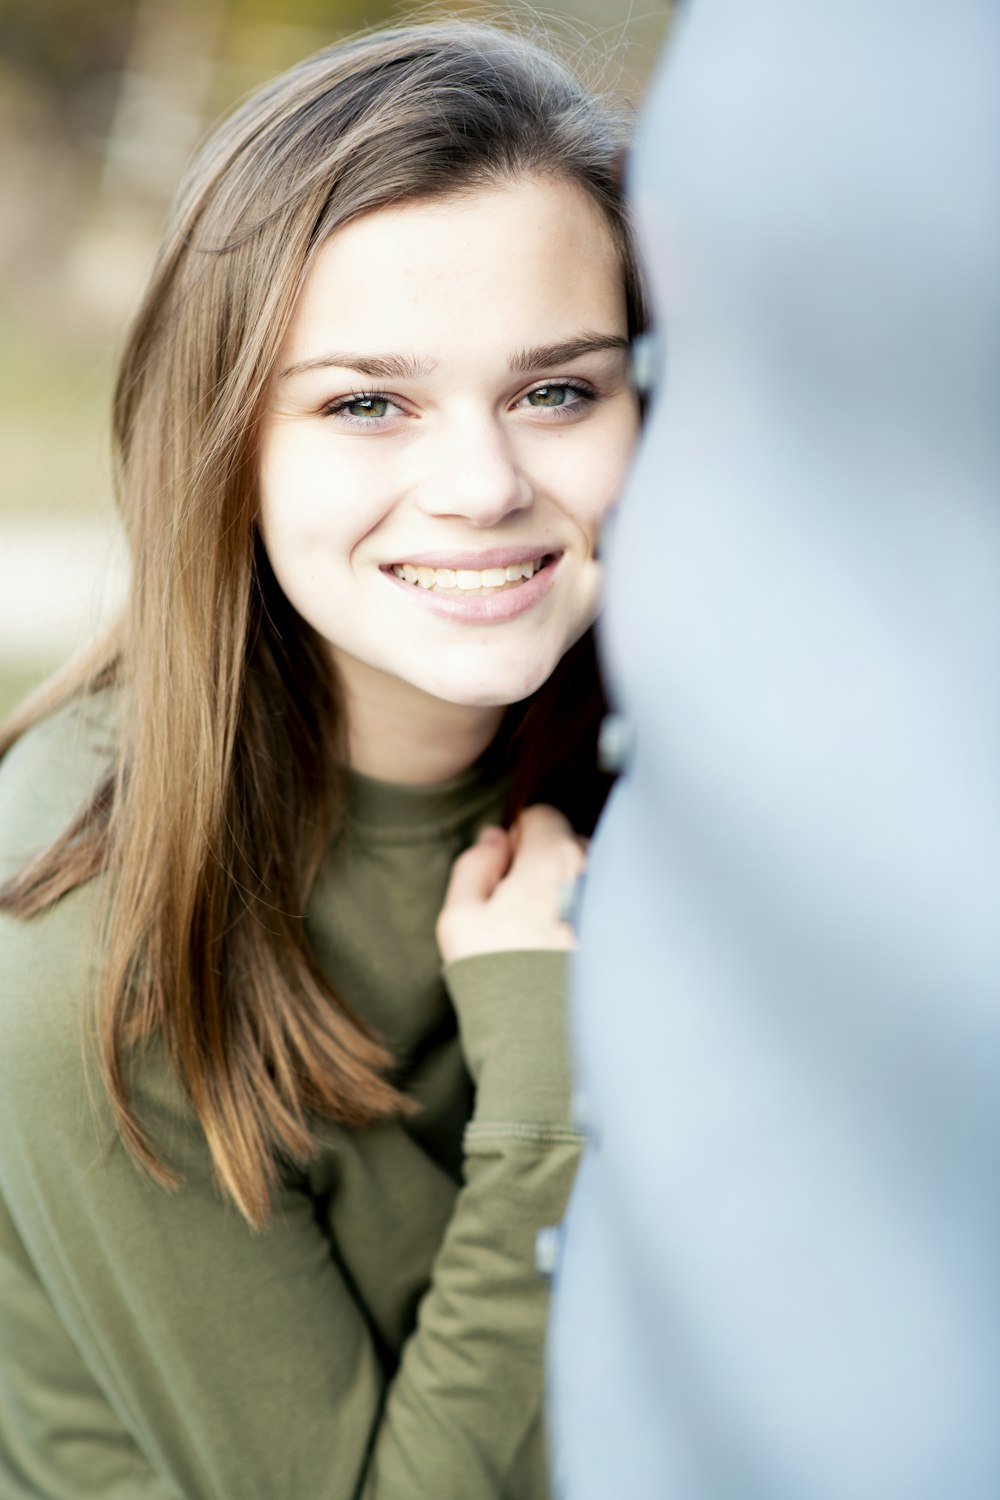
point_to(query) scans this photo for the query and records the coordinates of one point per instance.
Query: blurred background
(101, 104)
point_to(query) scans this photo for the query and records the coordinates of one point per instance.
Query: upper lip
(490, 557)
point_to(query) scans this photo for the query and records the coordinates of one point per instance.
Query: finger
(546, 842)
(540, 823)
(476, 873)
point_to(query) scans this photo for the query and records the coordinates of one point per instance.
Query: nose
(474, 474)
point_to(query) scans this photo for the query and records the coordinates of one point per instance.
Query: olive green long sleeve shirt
(382, 1337)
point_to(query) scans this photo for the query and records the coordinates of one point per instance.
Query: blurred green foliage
(59, 43)
(343, 15)
(73, 50)
(16, 683)
(55, 396)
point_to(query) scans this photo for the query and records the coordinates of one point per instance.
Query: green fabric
(383, 1336)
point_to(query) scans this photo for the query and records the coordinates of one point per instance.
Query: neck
(398, 733)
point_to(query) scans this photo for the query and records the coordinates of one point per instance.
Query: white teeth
(467, 579)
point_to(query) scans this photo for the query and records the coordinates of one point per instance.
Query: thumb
(476, 873)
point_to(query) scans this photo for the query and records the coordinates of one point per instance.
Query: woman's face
(450, 422)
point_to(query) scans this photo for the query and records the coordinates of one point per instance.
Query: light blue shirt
(780, 1274)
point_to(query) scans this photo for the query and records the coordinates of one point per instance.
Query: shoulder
(50, 964)
(49, 774)
(50, 967)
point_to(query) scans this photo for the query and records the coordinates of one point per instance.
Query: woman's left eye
(557, 395)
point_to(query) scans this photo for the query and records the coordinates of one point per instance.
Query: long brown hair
(228, 780)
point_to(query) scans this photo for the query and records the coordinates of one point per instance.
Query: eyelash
(341, 408)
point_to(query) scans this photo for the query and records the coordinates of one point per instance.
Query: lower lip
(482, 609)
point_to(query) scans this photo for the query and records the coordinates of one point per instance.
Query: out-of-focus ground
(100, 107)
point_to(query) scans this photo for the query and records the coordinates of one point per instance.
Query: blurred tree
(73, 52)
(62, 45)
(342, 15)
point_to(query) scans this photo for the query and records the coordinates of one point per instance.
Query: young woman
(269, 1183)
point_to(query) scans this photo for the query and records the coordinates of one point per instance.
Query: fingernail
(489, 834)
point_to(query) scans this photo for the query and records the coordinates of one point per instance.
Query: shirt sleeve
(178, 1353)
(481, 1327)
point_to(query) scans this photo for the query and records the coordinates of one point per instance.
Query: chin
(486, 683)
(501, 690)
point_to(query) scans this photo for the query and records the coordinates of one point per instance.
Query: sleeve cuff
(512, 1020)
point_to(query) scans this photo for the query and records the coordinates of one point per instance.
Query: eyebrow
(377, 366)
(406, 367)
(560, 354)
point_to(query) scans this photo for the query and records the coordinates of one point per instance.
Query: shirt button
(644, 362)
(548, 1245)
(614, 743)
(580, 1111)
(568, 902)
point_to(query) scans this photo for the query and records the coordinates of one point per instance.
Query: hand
(504, 891)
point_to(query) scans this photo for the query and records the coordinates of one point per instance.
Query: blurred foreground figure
(780, 1267)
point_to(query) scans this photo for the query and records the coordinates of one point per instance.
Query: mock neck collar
(372, 803)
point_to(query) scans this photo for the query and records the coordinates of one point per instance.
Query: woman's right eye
(367, 406)
(367, 409)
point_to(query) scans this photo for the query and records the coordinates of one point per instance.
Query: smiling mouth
(472, 581)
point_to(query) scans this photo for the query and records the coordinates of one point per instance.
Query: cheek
(309, 501)
(592, 482)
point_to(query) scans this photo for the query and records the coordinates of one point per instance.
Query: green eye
(367, 406)
(548, 395)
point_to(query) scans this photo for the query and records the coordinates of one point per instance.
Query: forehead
(530, 261)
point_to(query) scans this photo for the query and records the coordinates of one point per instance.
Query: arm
(482, 1325)
(241, 1364)
(466, 1403)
